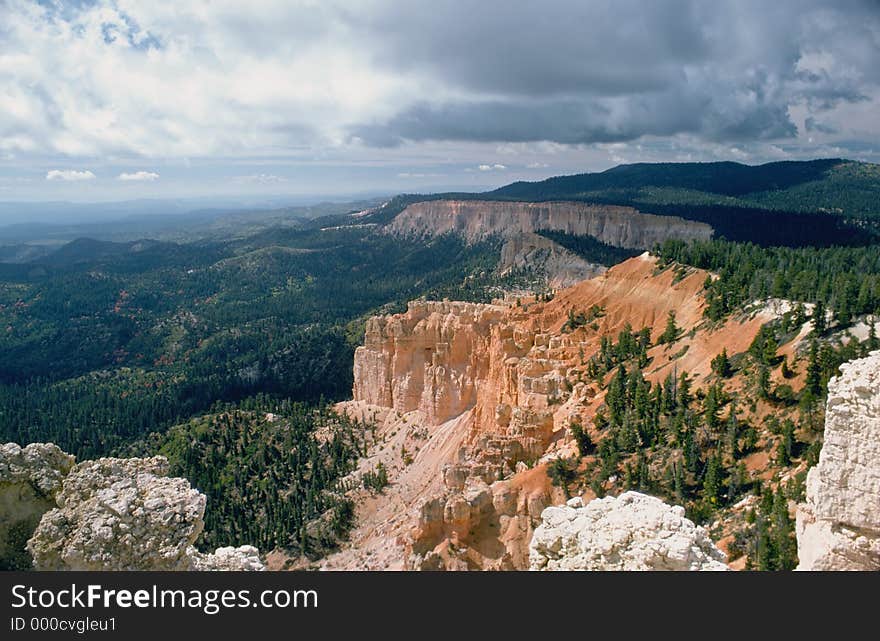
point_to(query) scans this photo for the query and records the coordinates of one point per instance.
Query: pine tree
(721, 364)
(582, 439)
(814, 370)
(711, 408)
(818, 317)
(678, 483)
(732, 434)
(672, 332)
(690, 450)
(562, 473)
(783, 530)
(684, 391)
(712, 481)
(763, 382)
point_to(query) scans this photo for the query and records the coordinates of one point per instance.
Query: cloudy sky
(118, 99)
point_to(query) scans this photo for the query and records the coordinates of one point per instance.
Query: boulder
(631, 532)
(126, 514)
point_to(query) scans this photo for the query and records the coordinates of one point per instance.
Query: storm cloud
(422, 89)
(603, 71)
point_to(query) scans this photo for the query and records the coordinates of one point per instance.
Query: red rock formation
(481, 396)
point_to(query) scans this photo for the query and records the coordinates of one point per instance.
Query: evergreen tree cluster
(689, 445)
(630, 344)
(768, 539)
(843, 279)
(271, 470)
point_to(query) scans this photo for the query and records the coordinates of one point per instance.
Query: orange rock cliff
(470, 402)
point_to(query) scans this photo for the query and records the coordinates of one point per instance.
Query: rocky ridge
(838, 528)
(111, 514)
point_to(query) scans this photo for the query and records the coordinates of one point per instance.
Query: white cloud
(139, 176)
(194, 79)
(420, 174)
(70, 175)
(537, 165)
(261, 179)
(239, 89)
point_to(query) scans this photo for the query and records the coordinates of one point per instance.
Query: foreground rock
(109, 514)
(245, 558)
(839, 526)
(30, 477)
(631, 532)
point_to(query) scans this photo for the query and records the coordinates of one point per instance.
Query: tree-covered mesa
(729, 194)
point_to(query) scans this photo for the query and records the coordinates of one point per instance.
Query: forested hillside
(223, 352)
(831, 185)
(105, 341)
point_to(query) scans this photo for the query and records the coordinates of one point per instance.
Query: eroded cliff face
(480, 398)
(477, 219)
(838, 528)
(428, 359)
(517, 222)
(561, 267)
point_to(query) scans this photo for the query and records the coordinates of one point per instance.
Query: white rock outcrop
(126, 514)
(119, 514)
(30, 477)
(245, 558)
(838, 528)
(631, 532)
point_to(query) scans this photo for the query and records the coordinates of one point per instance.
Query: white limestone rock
(30, 477)
(631, 532)
(229, 559)
(42, 465)
(838, 528)
(125, 514)
(120, 514)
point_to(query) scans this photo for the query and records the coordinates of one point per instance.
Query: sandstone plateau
(108, 514)
(516, 223)
(838, 528)
(479, 219)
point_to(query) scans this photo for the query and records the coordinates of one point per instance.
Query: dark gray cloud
(294, 89)
(811, 124)
(606, 71)
(535, 49)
